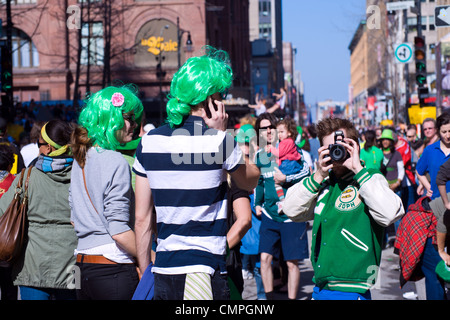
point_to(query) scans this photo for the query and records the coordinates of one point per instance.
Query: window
(424, 23)
(264, 8)
(92, 34)
(265, 30)
(431, 22)
(44, 95)
(412, 24)
(24, 52)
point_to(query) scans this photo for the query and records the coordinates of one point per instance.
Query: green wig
(102, 115)
(195, 81)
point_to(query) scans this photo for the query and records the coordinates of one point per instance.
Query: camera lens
(337, 153)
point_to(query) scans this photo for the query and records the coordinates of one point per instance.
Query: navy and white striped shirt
(186, 168)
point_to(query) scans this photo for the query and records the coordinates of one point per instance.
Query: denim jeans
(33, 293)
(339, 295)
(433, 285)
(171, 287)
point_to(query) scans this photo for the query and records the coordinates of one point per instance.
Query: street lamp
(180, 33)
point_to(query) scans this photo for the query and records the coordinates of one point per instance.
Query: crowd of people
(202, 208)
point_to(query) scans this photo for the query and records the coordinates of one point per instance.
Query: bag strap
(25, 190)
(19, 189)
(85, 186)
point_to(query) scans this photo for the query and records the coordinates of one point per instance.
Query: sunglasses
(271, 127)
(40, 144)
(131, 118)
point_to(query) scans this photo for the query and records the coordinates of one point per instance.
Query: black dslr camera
(338, 153)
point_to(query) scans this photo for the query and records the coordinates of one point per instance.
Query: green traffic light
(421, 79)
(420, 66)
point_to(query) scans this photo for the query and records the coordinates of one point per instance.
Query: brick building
(130, 41)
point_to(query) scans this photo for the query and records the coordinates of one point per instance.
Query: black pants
(171, 287)
(7, 288)
(107, 281)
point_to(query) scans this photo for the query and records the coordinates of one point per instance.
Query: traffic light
(6, 71)
(421, 61)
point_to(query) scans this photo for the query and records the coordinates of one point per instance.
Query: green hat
(387, 134)
(130, 145)
(443, 271)
(245, 133)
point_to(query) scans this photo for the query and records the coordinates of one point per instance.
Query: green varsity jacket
(349, 215)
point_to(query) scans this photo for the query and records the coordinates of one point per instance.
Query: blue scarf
(53, 164)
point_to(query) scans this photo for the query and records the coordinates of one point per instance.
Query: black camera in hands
(338, 153)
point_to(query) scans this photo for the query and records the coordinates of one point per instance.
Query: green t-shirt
(372, 157)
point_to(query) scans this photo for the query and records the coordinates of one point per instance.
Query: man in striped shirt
(181, 168)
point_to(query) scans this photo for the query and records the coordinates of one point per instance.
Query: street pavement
(387, 287)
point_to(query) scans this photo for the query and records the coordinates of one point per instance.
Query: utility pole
(407, 95)
(419, 17)
(420, 49)
(7, 72)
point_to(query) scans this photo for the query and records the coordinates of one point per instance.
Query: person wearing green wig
(197, 80)
(101, 195)
(188, 193)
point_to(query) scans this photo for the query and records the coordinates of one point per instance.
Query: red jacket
(415, 228)
(403, 147)
(6, 183)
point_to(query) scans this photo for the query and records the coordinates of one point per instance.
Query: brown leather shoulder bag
(14, 223)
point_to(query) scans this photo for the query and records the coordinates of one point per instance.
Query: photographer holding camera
(351, 205)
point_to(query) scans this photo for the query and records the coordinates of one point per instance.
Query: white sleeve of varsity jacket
(300, 200)
(385, 206)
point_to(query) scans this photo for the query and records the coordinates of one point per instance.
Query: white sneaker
(410, 295)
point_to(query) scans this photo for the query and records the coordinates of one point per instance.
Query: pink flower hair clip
(117, 99)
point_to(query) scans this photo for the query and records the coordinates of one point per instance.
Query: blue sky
(321, 30)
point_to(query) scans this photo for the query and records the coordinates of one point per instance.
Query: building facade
(265, 34)
(65, 47)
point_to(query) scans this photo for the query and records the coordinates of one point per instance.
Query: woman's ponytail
(80, 144)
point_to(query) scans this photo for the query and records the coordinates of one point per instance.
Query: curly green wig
(102, 115)
(195, 81)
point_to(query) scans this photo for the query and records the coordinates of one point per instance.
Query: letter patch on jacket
(348, 200)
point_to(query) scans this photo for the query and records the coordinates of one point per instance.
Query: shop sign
(156, 45)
